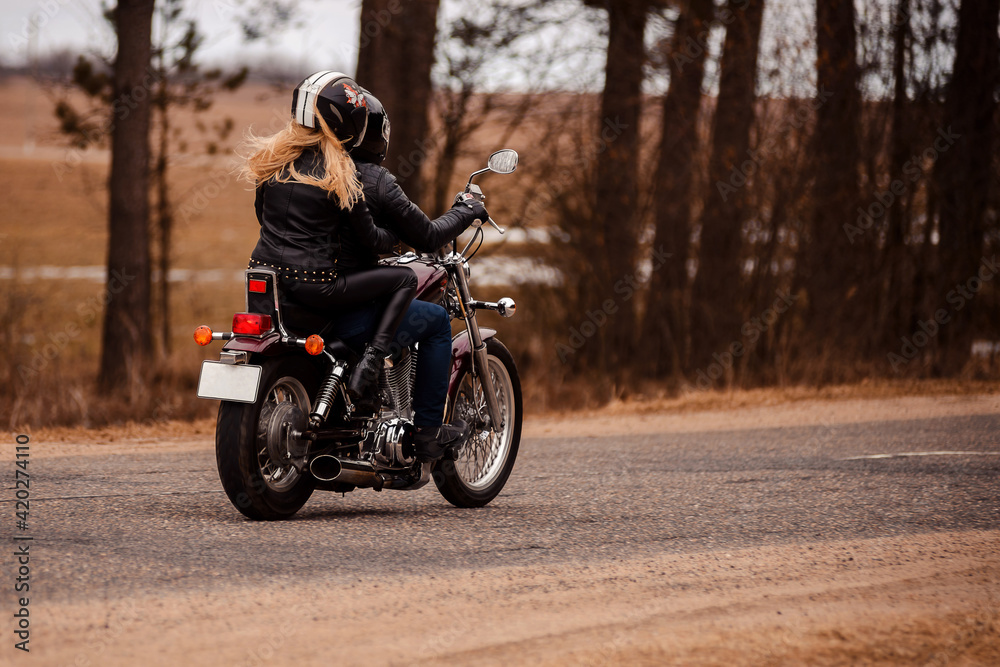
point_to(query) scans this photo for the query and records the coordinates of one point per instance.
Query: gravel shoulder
(751, 411)
(626, 419)
(930, 599)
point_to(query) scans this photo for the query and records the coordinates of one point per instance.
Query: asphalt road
(107, 527)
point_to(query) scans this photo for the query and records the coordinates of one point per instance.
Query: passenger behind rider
(308, 197)
(426, 324)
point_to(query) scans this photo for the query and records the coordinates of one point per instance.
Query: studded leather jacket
(302, 229)
(393, 210)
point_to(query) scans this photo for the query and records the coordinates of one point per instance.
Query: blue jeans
(427, 325)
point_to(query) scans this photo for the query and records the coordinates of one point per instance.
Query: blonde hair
(273, 157)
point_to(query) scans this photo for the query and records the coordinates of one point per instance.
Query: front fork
(480, 364)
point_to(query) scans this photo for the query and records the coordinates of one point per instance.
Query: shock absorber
(327, 393)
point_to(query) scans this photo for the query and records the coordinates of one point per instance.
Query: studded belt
(293, 273)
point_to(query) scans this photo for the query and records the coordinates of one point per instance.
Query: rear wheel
(260, 485)
(483, 464)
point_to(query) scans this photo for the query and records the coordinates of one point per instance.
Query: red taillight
(257, 286)
(253, 324)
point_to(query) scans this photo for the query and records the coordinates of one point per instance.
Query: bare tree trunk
(455, 107)
(125, 339)
(616, 209)
(164, 214)
(831, 262)
(963, 174)
(718, 289)
(898, 295)
(394, 62)
(664, 331)
(462, 113)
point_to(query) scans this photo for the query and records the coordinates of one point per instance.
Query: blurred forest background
(711, 194)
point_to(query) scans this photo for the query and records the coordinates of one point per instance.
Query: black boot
(364, 377)
(432, 442)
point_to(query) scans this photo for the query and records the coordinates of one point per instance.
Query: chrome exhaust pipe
(328, 468)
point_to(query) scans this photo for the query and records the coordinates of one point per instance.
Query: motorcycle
(287, 426)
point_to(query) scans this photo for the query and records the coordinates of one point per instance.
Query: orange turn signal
(314, 344)
(203, 335)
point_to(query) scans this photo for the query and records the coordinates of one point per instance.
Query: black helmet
(375, 144)
(340, 102)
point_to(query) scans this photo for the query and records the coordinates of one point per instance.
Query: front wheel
(257, 484)
(483, 464)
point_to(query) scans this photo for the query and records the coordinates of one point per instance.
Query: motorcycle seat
(302, 322)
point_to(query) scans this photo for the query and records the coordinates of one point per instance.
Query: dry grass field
(55, 215)
(56, 208)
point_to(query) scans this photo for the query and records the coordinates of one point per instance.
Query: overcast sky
(326, 37)
(330, 36)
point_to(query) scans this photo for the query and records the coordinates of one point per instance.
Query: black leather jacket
(392, 209)
(303, 229)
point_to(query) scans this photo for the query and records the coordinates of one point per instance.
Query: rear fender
(269, 345)
(461, 359)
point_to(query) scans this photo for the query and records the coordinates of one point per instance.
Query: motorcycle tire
(258, 487)
(482, 465)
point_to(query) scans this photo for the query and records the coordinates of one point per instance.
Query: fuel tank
(431, 280)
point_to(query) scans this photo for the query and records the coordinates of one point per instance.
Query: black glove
(470, 201)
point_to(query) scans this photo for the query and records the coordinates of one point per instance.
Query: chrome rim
(481, 459)
(277, 476)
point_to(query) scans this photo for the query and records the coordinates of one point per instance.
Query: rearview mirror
(503, 161)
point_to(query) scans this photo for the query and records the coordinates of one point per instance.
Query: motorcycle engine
(397, 384)
(393, 443)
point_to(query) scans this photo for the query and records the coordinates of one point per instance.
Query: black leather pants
(392, 287)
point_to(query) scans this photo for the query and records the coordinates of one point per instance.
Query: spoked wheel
(259, 480)
(483, 464)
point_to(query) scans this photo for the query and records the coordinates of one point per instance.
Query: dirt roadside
(929, 599)
(749, 410)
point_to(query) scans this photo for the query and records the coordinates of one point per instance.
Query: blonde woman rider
(308, 194)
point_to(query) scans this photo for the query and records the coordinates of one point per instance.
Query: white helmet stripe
(308, 92)
(302, 108)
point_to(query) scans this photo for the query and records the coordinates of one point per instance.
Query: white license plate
(229, 382)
